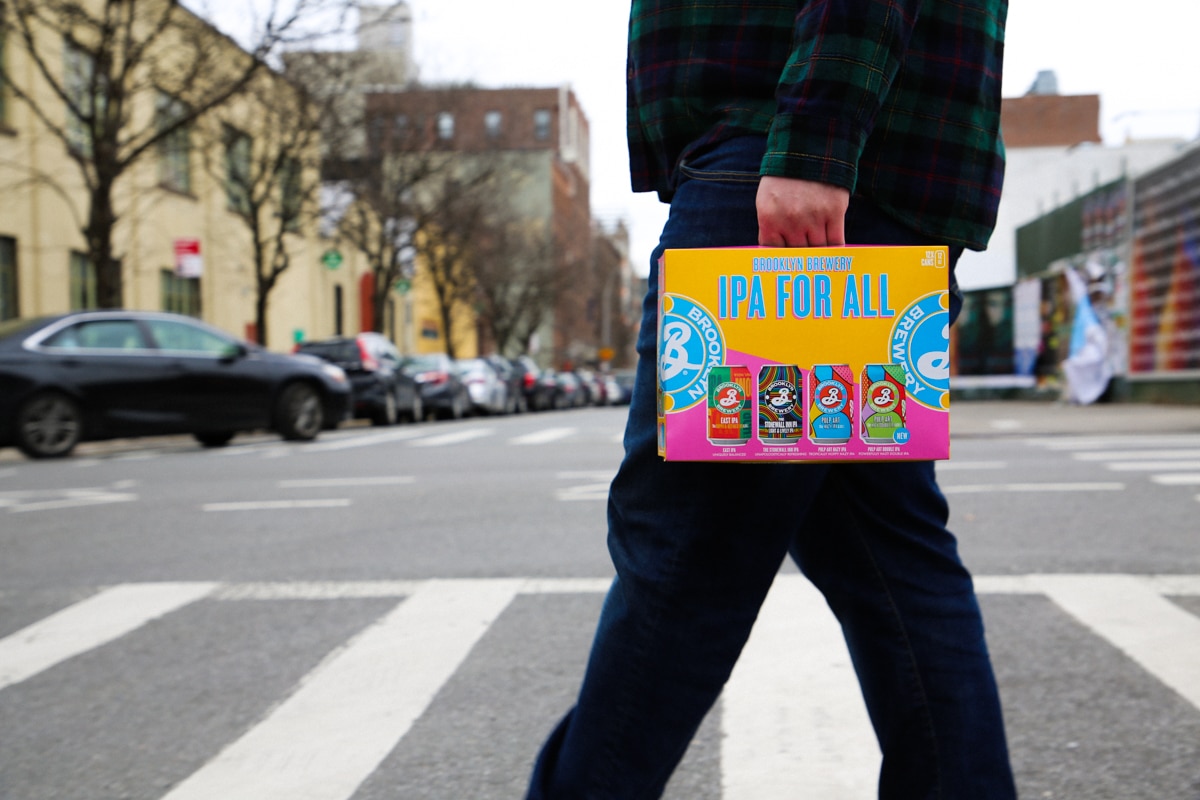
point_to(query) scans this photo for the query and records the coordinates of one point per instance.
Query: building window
(180, 295)
(291, 197)
(83, 282)
(541, 124)
(445, 126)
(8, 278)
(493, 124)
(3, 88)
(237, 169)
(174, 149)
(86, 97)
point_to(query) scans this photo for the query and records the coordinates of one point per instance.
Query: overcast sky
(1143, 59)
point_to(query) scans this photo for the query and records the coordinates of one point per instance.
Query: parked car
(589, 382)
(563, 389)
(513, 376)
(538, 396)
(489, 394)
(92, 375)
(624, 381)
(442, 390)
(381, 391)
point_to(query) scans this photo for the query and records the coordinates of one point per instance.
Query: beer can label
(884, 404)
(831, 404)
(729, 405)
(780, 404)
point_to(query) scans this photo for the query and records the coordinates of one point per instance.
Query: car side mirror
(234, 351)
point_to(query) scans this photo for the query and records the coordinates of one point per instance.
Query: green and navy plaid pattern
(896, 100)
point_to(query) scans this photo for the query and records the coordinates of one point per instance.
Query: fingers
(796, 213)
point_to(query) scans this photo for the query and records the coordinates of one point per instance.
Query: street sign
(332, 258)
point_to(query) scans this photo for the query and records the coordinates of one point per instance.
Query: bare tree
(107, 62)
(273, 178)
(515, 279)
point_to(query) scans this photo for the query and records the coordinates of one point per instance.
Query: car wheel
(49, 425)
(387, 414)
(299, 415)
(214, 438)
(417, 413)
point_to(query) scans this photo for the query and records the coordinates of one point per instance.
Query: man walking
(796, 123)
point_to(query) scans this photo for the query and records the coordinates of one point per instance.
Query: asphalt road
(404, 612)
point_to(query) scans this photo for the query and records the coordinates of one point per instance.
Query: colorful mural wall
(1165, 272)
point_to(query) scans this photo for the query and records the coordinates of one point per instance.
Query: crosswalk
(1167, 460)
(325, 736)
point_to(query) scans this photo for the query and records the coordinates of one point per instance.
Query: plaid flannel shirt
(895, 100)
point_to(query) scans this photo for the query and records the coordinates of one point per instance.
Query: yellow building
(179, 239)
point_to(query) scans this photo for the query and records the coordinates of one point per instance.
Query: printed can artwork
(883, 404)
(831, 404)
(729, 405)
(780, 404)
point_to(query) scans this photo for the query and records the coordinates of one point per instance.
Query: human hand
(798, 213)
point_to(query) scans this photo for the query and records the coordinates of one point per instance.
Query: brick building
(542, 133)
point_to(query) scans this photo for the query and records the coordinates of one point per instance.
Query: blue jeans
(697, 545)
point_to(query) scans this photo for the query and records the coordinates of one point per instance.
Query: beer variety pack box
(804, 354)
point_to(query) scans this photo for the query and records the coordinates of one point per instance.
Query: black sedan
(381, 391)
(104, 374)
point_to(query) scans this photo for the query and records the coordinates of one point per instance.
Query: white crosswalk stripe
(338, 724)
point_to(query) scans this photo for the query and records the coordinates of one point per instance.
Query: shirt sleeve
(845, 55)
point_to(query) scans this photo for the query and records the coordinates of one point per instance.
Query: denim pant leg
(693, 565)
(875, 543)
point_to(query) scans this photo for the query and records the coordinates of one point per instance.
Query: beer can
(729, 405)
(780, 404)
(831, 404)
(883, 404)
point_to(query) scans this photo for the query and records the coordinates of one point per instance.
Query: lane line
(352, 709)
(18, 502)
(970, 465)
(89, 624)
(455, 437)
(365, 440)
(1002, 488)
(1126, 611)
(277, 505)
(1118, 455)
(1096, 442)
(1178, 479)
(323, 483)
(1152, 466)
(792, 714)
(543, 437)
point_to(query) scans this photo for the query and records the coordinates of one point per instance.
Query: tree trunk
(99, 234)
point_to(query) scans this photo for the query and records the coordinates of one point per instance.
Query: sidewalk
(975, 418)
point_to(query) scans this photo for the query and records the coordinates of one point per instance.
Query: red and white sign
(188, 261)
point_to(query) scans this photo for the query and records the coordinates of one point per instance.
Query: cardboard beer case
(804, 354)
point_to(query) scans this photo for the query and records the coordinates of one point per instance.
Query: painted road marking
(943, 466)
(89, 624)
(277, 505)
(543, 436)
(1117, 455)
(1127, 611)
(455, 437)
(1152, 466)
(349, 712)
(325, 483)
(1178, 479)
(52, 499)
(353, 708)
(1002, 488)
(780, 743)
